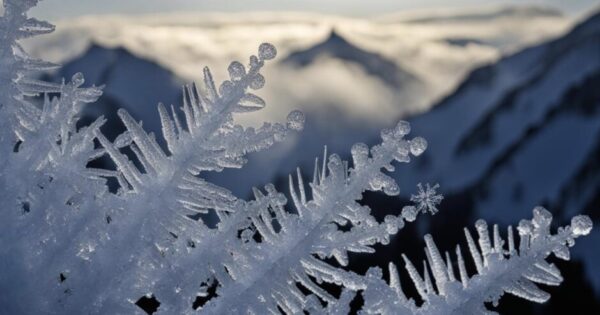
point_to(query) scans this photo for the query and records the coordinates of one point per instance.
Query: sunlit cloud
(435, 47)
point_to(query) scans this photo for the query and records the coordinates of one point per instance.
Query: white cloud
(185, 43)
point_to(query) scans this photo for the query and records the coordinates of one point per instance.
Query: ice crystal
(427, 199)
(68, 245)
(501, 266)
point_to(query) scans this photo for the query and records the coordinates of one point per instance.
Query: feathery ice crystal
(69, 245)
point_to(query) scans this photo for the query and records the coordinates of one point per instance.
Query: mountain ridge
(120, 72)
(336, 46)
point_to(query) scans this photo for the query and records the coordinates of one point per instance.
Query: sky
(60, 9)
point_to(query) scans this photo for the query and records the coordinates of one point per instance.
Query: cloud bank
(438, 47)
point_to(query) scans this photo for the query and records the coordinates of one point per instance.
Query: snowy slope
(543, 163)
(556, 165)
(497, 105)
(523, 132)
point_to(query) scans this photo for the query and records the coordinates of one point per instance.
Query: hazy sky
(57, 9)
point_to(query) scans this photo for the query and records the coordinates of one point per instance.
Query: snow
(69, 245)
(501, 101)
(540, 170)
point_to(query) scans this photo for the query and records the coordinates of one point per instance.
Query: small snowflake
(427, 199)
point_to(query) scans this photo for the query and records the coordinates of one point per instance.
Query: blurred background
(507, 95)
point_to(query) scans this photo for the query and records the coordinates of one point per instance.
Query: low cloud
(185, 43)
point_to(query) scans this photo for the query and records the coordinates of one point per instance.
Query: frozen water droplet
(334, 161)
(295, 120)
(391, 189)
(391, 224)
(270, 188)
(254, 61)
(267, 51)
(377, 182)
(525, 227)
(78, 79)
(226, 88)
(581, 225)
(360, 154)
(402, 128)
(409, 213)
(541, 217)
(418, 146)
(359, 149)
(481, 225)
(236, 70)
(257, 82)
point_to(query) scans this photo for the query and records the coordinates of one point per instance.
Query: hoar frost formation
(69, 245)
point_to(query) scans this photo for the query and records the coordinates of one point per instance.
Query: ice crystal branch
(48, 196)
(69, 245)
(293, 244)
(166, 201)
(501, 266)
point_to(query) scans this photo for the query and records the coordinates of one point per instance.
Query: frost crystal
(409, 213)
(267, 51)
(427, 199)
(70, 246)
(500, 268)
(295, 120)
(581, 225)
(417, 145)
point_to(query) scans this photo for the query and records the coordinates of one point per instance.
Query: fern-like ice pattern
(68, 245)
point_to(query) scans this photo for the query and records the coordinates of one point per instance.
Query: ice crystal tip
(541, 217)
(236, 70)
(581, 225)
(78, 79)
(402, 128)
(409, 213)
(418, 145)
(525, 227)
(295, 120)
(267, 51)
(257, 82)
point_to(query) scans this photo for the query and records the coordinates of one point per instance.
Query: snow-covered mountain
(497, 103)
(522, 132)
(336, 46)
(120, 72)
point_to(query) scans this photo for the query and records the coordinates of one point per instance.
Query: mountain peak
(336, 46)
(97, 48)
(336, 37)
